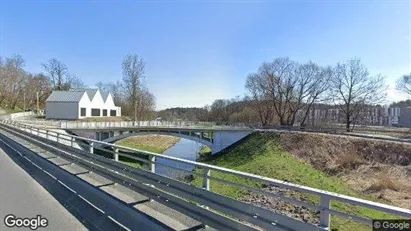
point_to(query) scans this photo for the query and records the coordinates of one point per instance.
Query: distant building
(80, 103)
(405, 117)
(378, 115)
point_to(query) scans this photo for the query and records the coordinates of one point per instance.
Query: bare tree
(353, 88)
(114, 88)
(289, 86)
(73, 82)
(57, 72)
(404, 84)
(146, 103)
(312, 83)
(133, 75)
(259, 98)
(13, 79)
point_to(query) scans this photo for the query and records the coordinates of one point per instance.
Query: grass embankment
(151, 143)
(12, 110)
(262, 154)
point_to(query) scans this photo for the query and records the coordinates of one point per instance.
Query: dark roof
(65, 96)
(90, 92)
(105, 95)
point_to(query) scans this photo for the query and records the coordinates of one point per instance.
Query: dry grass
(152, 143)
(382, 183)
(376, 168)
(337, 152)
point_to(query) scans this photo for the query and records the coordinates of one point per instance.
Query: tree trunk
(348, 123)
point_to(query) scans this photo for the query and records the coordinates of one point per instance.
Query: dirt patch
(376, 168)
(280, 206)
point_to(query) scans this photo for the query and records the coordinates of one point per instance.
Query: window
(82, 111)
(113, 113)
(95, 112)
(104, 112)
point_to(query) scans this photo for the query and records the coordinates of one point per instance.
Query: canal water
(185, 149)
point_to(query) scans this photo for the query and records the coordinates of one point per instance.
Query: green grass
(204, 152)
(13, 110)
(262, 154)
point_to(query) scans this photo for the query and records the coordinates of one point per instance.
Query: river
(185, 149)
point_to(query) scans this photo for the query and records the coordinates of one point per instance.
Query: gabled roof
(65, 96)
(90, 92)
(105, 95)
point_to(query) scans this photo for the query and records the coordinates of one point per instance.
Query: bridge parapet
(217, 140)
(197, 199)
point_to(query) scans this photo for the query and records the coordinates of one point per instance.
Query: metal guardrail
(178, 124)
(196, 125)
(206, 197)
(122, 124)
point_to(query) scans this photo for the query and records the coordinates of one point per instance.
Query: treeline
(402, 103)
(19, 88)
(282, 91)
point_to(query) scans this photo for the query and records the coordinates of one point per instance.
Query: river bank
(151, 143)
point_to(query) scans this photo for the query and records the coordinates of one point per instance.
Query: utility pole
(24, 101)
(37, 94)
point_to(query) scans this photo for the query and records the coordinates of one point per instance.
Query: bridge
(217, 138)
(199, 202)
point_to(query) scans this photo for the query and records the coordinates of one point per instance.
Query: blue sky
(199, 51)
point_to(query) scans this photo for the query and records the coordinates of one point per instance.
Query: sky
(199, 51)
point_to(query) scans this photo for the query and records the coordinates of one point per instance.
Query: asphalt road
(23, 197)
(30, 185)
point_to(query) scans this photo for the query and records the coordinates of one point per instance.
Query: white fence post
(91, 147)
(152, 159)
(115, 157)
(206, 179)
(72, 141)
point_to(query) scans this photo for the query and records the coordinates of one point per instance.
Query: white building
(80, 103)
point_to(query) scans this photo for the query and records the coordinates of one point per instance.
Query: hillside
(284, 157)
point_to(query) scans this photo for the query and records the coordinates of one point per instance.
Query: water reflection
(185, 149)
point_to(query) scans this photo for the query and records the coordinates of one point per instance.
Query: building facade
(405, 117)
(80, 103)
(373, 116)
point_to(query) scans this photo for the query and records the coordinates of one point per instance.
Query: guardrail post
(47, 134)
(152, 159)
(115, 155)
(72, 141)
(91, 147)
(58, 137)
(325, 203)
(206, 179)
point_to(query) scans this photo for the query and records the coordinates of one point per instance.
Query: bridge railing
(127, 124)
(153, 123)
(249, 213)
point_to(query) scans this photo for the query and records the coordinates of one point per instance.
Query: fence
(123, 124)
(205, 196)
